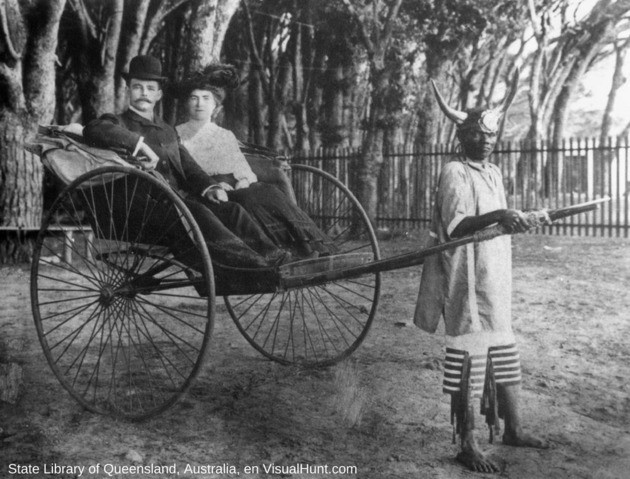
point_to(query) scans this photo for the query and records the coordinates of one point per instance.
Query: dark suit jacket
(124, 131)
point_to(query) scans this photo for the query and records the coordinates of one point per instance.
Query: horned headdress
(486, 119)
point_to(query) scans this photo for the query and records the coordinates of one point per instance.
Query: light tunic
(215, 149)
(470, 286)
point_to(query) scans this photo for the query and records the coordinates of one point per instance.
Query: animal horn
(454, 115)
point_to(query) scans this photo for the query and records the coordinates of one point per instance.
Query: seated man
(231, 234)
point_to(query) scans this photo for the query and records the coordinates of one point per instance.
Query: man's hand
(225, 186)
(216, 195)
(515, 221)
(152, 158)
(537, 218)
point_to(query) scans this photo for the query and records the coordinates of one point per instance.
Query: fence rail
(536, 175)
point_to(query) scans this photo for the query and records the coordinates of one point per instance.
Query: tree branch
(112, 38)
(130, 48)
(154, 23)
(39, 83)
(15, 96)
(167, 11)
(365, 36)
(254, 49)
(533, 16)
(389, 23)
(625, 131)
(83, 13)
(618, 79)
(15, 55)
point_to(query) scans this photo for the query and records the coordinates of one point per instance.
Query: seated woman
(217, 151)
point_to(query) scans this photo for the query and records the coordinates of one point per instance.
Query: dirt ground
(381, 411)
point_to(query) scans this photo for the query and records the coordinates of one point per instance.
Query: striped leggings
(506, 366)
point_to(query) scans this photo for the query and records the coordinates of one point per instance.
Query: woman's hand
(225, 186)
(216, 195)
(240, 184)
(515, 221)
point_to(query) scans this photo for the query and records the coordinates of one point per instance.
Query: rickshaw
(126, 324)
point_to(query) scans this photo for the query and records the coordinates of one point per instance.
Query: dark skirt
(283, 221)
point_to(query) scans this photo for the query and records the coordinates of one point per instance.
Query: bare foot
(476, 461)
(524, 440)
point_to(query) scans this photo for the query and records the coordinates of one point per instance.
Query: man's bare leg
(514, 434)
(470, 454)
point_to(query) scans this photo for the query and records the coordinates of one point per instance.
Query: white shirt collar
(137, 112)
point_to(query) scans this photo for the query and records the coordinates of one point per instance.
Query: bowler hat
(145, 67)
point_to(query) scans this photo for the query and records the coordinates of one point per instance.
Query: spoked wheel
(122, 325)
(317, 325)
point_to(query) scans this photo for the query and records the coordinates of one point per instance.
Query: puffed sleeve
(455, 196)
(242, 170)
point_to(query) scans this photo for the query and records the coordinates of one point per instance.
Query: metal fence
(536, 175)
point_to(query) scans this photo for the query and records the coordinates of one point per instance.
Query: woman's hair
(216, 78)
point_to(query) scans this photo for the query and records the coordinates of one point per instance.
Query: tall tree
(338, 75)
(272, 70)
(130, 46)
(376, 20)
(560, 62)
(94, 30)
(209, 23)
(464, 42)
(618, 79)
(28, 40)
(557, 67)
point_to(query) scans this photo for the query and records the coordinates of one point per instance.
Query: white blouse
(215, 149)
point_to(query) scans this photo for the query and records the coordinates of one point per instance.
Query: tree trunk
(583, 59)
(315, 96)
(618, 80)
(279, 92)
(211, 19)
(129, 49)
(20, 195)
(376, 40)
(97, 69)
(602, 175)
(625, 131)
(299, 91)
(333, 134)
(27, 92)
(256, 105)
(368, 173)
(336, 80)
(372, 150)
(529, 166)
(429, 120)
(237, 107)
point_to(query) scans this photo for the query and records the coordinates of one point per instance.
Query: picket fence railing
(536, 175)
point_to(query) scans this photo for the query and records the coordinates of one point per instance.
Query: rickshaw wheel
(316, 325)
(121, 324)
